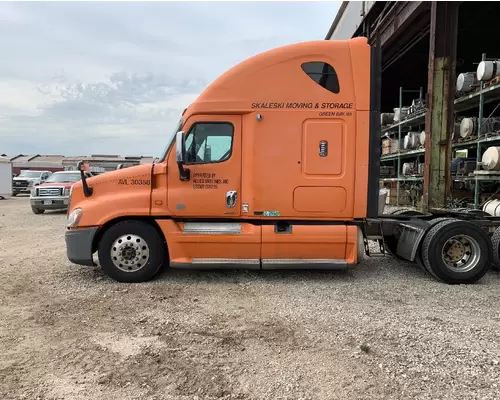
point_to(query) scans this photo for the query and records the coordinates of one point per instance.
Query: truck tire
(37, 210)
(495, 241)
(406, 212)
(418, 256)
(131, 251)
(457, 252)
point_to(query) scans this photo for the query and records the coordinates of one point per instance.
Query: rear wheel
(37, 210)
(418, 256)
(406, 212)
(131, 251)
(495, 241)
(456, 251)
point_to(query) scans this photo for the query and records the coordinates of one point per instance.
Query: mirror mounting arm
(184, 173)
(180, 156)
(87, 190)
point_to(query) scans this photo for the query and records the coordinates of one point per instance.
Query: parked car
(28, 179)
(53, 194)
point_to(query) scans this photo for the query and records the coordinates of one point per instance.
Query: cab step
(378, 237)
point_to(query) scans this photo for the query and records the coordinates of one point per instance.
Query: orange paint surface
(275, 163)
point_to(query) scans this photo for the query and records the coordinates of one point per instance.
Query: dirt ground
(382, 330)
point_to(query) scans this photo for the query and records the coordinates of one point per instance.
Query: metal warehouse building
(97, 162)
(440, 97)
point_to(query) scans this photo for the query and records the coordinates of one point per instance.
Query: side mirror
(180, 156)
(180, 147)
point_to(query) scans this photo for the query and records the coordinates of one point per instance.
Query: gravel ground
(383, 329)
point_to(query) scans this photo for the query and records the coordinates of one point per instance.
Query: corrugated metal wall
(351, 19)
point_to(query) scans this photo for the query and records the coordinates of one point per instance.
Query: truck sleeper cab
(275, 165)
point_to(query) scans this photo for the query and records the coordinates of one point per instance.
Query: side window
(209, 142)
(323, 74)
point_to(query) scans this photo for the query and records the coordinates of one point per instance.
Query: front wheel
(37, 210)
(131, 251)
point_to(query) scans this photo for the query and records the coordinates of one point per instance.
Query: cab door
(213, 145)
(201, 233)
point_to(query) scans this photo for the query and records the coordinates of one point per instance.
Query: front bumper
(79, 245)
(21, 189)
(50, 203)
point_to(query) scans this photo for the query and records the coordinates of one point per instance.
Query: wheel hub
(457, 250)
(461, 253)
(129, 253)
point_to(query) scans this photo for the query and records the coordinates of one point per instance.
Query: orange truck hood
(115, 194)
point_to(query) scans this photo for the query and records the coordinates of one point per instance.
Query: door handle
(231, 198)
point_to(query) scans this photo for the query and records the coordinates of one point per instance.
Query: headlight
(33, 192)
(30, 183)
(67, 191)
(69, 199)
(74, 218)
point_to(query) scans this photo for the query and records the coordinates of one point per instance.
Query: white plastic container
(491, 159)
(466, 82)
(411, 140)
(386, 119)
(422, 138)
(487, 70)
(382, 199)
(5, 178)
(400, 114)
(468, 127)
(492, 207)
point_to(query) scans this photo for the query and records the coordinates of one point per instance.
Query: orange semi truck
(274, 166)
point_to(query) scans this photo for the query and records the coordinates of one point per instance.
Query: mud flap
(412, 234)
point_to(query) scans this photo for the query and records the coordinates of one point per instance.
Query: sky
(82, 78)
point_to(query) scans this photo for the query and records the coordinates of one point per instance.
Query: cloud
(87, 77)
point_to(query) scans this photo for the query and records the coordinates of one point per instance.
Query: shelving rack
(478, 99)
(412, 121)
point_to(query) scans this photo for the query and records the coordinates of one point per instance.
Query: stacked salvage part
(478, 132)
(402, 148)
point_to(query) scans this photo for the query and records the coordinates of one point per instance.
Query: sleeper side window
(323, 74)
(209, 142)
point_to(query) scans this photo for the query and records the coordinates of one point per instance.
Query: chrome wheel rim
(461, 253)
(129, 253)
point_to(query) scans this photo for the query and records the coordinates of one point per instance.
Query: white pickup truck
(24, 182)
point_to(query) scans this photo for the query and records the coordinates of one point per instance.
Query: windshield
(30, 174)
(171, 139)
(63, 177)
